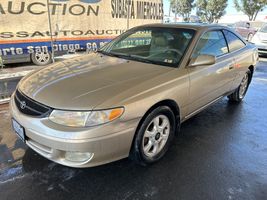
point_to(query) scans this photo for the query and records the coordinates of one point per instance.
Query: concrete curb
(4, 101)
(11, 74)
(15, 72)
(8, 76)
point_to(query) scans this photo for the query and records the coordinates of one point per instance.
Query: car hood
(84, 82)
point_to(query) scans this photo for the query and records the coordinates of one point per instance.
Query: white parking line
(15, 74)
(261, 79)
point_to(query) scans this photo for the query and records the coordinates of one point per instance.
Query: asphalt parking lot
(221, 154)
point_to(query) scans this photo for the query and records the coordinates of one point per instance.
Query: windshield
(164, 46)
(264, 29)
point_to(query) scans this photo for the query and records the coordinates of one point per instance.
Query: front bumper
(106, 143)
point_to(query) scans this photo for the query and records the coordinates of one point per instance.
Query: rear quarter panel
(245, 58)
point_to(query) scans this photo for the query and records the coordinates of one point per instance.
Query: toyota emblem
(22, 105)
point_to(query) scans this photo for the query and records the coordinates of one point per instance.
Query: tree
(211, 10)
(251, 8)
(182, 7)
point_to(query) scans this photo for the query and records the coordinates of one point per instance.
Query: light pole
(1, 63)
(51, 35)
(128, 13)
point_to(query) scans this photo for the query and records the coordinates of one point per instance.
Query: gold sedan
(130, 97)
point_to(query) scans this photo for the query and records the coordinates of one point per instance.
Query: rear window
(234, 42)
(211, 43)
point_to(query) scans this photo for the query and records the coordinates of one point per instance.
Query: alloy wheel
(156, 135)
(243, 86)
(42, 57)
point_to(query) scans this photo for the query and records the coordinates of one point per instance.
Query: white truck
(36, 30)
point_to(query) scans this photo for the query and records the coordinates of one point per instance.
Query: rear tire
(154, 136)
(41, 58)
(239, 94)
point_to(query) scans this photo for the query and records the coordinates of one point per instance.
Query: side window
(211, 43)
(233, 41)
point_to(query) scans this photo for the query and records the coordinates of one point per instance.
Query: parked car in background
(244, 29)
(130, 97)
(260, 40)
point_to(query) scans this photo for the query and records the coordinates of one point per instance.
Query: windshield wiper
(138, 58)
(112, 54)
(131, 57)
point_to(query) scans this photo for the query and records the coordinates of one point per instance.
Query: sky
(229, 10)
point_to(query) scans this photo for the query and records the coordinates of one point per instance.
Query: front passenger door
(209, 82)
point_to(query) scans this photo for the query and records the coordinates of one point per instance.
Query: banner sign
(76, 24)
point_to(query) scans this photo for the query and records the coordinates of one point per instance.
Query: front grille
(30, 107)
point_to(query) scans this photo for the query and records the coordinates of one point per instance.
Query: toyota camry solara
(130, 98)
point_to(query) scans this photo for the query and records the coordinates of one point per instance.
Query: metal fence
(7, 87)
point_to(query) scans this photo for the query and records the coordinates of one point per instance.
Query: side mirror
(202, 60)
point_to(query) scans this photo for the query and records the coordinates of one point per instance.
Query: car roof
(195, 26)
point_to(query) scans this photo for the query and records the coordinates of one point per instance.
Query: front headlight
(85, 119)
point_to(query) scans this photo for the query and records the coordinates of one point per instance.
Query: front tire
(154, 136)
(241, 91)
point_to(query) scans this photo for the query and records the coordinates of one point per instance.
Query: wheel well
(172, 105)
